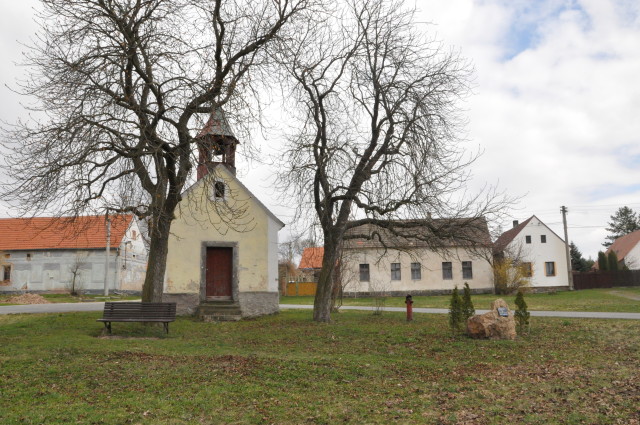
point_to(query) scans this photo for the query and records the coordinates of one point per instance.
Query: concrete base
(414, 293)
(186, 304)
(252, 304)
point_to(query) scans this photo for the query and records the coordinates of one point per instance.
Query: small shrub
(522, 315)
(455, 311)
(467, 305)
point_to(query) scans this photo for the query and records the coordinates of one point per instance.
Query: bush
(510, 275)
(455, 311)
(522, 315)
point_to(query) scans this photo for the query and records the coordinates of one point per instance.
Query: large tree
(623, 222)
(578, 262)
(374, 108)
(120, 89)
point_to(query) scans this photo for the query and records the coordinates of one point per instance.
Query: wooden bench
(138, 312)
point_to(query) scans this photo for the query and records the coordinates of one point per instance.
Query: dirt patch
(623, 295)
(27, 299)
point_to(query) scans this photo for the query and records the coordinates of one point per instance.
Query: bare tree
(511, 271)
(375, 102)
(120, 89)
(76, 285)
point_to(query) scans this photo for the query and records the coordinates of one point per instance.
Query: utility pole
(106, 261)
(563, 209)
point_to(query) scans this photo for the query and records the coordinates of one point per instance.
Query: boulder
(491, 325)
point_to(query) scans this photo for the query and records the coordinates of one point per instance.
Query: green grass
(68, 298)
(286, 369)
(584, 300)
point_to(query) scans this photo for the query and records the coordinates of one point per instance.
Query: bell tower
(216, 144)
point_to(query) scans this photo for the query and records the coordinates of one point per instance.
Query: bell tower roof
(217, 125)
(216, 144)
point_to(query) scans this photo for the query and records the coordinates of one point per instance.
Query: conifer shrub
(612, 260)
(467, 305)
(455, 311)
(521, 315)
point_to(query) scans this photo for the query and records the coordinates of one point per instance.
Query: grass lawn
(68, 298)
(286, 369)
(585, 300)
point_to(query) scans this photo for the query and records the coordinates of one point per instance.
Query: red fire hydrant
(409, 302)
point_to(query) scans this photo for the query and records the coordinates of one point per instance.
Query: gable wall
(198, 223)
(632, 259)
(539, 253)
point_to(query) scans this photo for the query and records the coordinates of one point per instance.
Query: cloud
(556, 103)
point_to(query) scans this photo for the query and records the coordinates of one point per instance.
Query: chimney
(515, 223)
(216, 144)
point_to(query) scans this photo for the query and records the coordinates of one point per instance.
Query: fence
(606, 279)
(301, 288)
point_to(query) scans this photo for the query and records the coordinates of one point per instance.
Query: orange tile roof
(312, 258)
(40, 233)
(624, 244)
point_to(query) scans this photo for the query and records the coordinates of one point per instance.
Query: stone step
(214, 311)
(220, 317)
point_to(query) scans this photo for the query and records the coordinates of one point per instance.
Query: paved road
(51, 308)
(587, 314)
(69, 307)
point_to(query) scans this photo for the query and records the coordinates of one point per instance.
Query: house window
(364, 272)
(6, 275)
(543, 238)
(467, 270)
(416, 271)
(134, 235)
(28, 257)
(447, 270)
(550, 268)
(527, 239)
(527, 269)
(219, 190)
(395, 271)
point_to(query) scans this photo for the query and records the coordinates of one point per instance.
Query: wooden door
(219, 272)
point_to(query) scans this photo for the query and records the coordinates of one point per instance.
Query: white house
(540, 250)
(627, 249)
(397, 266)
(46, 253)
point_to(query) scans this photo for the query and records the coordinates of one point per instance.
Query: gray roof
(217, 125)
(425, 233)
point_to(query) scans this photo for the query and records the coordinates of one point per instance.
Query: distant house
(45, 253)
(222, 257)
(627, 249)
(397, 265)
(539, 250)
(311, 263)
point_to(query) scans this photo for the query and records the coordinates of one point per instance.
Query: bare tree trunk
(157, 262)
(324, 294)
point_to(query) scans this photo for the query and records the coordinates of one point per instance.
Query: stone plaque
(503, 312)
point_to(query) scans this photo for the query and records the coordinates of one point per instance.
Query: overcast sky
(556, 105)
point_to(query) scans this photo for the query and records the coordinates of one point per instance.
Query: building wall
(132, 260)
(632, 259)
(198, 224)
(431, 279)
(539, 253)
(51, 270)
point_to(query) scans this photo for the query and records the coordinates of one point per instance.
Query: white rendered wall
(539, 253)
(632, 259)
(431, 270)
